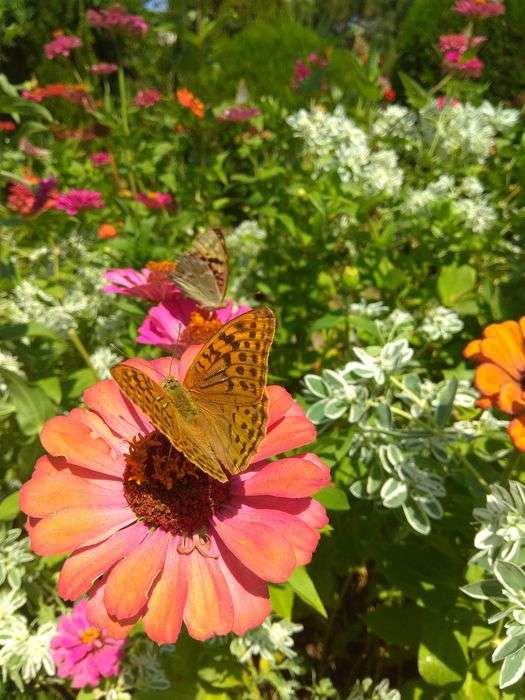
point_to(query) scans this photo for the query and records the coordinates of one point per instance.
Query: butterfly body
(181, 397)
(217, 416)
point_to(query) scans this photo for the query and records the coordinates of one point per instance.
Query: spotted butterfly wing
(217, 417)
(202, 271)
(227, 381)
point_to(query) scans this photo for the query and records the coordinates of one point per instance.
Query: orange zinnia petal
(511, 399)
(517, 433)
(490, 378)
(473, 350)
(503, 345)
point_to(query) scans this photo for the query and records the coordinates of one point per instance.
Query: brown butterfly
(217, 416)
(202, 271)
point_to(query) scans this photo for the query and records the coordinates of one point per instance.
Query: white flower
(11, 363)
(382, 174)
(371, 309)
(441, 324)
(102, 360)
(395, 121)
(246, 239)
(477, 214)
(166, 38)
(365, 689)
(24, 655)
(471, 186)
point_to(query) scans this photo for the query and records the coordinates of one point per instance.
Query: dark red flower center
(164, 489)
(522, 381)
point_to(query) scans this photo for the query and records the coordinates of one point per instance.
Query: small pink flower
(103, 68)
(116, 17)
(155, 200)
(479, 8)
(83, 652)
(469, 67)
(31, 150)
(151, 283)
(239, 113)
(179, 322)
(442, 101)
(459, 42)
(61, 45)
(303, 69)
(74, 201)
(147, 97)
(100, 158)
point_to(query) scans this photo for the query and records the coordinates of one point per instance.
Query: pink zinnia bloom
(151, 283)
(103, 68)
(147, 98)
(61, 45)
(74, 201)
(100, 158)
(171, 544)
(155, 200)
(82, 652)
(116, 17)
(470, 67)
(443, 101)
(459, 42)
(179, 322)
(239, 113)
(479, 8)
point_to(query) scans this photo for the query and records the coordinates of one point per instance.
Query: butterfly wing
(202, 272)
(227, 382)
(186, 436)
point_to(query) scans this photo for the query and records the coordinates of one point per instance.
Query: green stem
(125, 127)
(474, 472)
(79, 346)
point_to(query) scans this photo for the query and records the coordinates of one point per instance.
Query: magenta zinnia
(61, 45)
(74, 201)
(156, 539)
(82, 652)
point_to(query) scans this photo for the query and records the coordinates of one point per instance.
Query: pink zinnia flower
(61, 45)
(103, 68)
(147, 98)
(470, 67)
(239, 113)
(179, 322)
(479, 8)
(116, 17)
(459, 42)
(100, 158)
(155, 200)
(303, 69)
(151, 283)
(82, 652)
(201, 552)
(74, 201)
(443, 101)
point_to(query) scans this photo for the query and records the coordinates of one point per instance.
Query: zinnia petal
(517, 433)
(301, 475)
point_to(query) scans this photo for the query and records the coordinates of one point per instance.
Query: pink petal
(74, 439)
(292, 477)
(77, 527)
(129, 582)
(163, 619)
(106, 399)
(249, 593)
(50, 493)
(279, 403)
(187, 358)
(84, 566)
(288, 434)
(98, 616)
(259, 546)
(46, 465)
(209, 609)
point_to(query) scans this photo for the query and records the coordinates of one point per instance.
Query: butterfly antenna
(120, 351)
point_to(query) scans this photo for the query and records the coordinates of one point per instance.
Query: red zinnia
(7, 126)
(155, 538)
(187, 99)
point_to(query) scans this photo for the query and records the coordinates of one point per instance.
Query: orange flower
(188, 99)
(106, 231)
(500, 374)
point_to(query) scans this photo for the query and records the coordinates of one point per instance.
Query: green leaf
(442, 656)
(445, 403)
(332, 498)
(33, 407)
(396, 625)
(510, 576)
(9, 507)
(455, 283)
(416, 95)
(510, 645)
(512, 669)
(328, 321)
(484, 590)
(416, 517)
(303, 585)
(282, 597)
